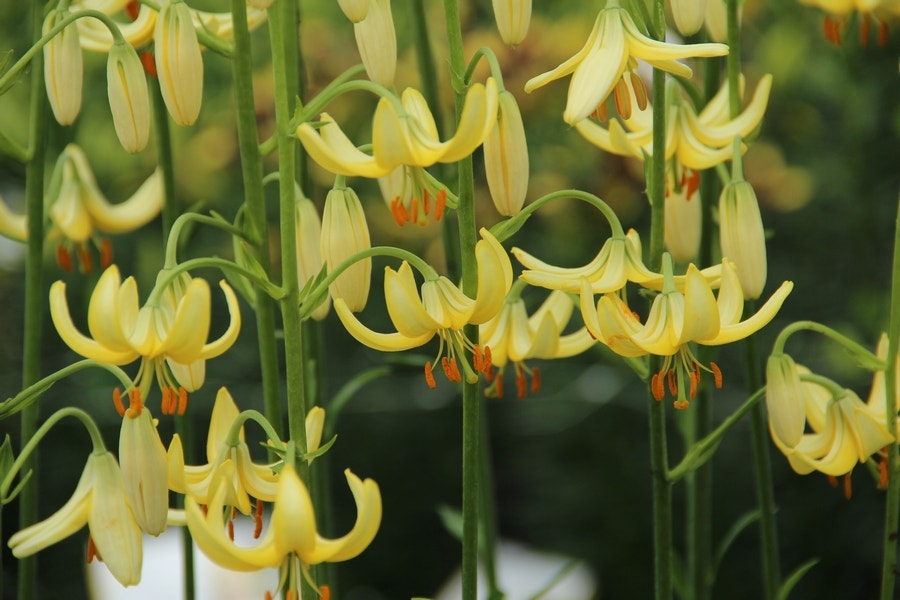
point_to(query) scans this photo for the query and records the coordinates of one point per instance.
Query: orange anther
(657, 386)
(883, 473)
(600, 112)
(149, 63)
(640, 91)
(521, 385)
(848, 486)
(882, 34)
(231, 530)
(414, 210)
(92, 551)
(478, 358)
(535, 380)
(864, 29)
(182, 400)
(489, 375)
(426, 201)
(695, 380)
(832, 480)
(499, 386)
(324, 592)
(488, 362)
(445, 364)
(717, 375)
(258, 519)
(117, 402)
(84, 255)
(457, 376)
(429, 376)
(268, 596)
(290, 595)
(623, 99)
(106, 253)
(681, 404)
(673, 383)
(63, 258)
(135, 406)
(132, 9)
(439, 204)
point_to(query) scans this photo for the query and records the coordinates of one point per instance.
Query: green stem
(662, 489)
(35, 299)
(862, 354)
(892, 503)
(734, 57)
(251, 167)
(466, 218)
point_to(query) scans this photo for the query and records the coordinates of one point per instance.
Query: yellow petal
(494, 278)
(406, 309)
(731, 332)
(141, 208)
(227, 339)
(368, 519)
(385, 342)
(334, 151)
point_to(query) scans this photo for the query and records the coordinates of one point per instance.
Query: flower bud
(355, 10)
(309, 248)
(688, 15)
(785, 399)
(377, 42)
(513, 18)
(142, 458)
(683, 224)
(742, 237)
(344, 233)
(717, 20)
(506, 158)
(128, 97)
(179, 64)
(63, 69)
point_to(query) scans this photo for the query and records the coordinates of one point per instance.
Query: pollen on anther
(478, 358)
(445, 364)
(426, 202)
(657, 386)
(398, 211)
(231, 529)
(488, 362)
(673, 383)
(499, 386)
(521, 385)
(623, 99)
(535, 380)
(117, 402)
(848, 486)
(135, 405)
(717, 374)
(882, 34)
(324, 592)
(182, 400)
(63, 258)
(106, 253)
(440, 203)
(429, 376)
(84, 255)
(640, 91)
(883, 470)
(258, 519)
(414, 210)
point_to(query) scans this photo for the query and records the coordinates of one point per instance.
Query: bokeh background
(570, 463)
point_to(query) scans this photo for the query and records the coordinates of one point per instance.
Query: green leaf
(556, 579)
(452, 520)
(731, 535)
(795, 577)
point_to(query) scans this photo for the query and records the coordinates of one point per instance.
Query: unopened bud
(689, 15)
(506, 158)
(128, 97)
(179, 64)
(63, 69)
(742, 237)
(513, 18)
(344, 233)
(377, 42)
(355, 10)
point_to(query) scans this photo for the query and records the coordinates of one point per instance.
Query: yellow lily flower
(345, 233)
(506, 158)
(878, 394)
(618, 262)
(442, 309)
(100, 502)
(144, 466)
(841, 10)
(63, 69)
(78, 208)
(168, 334)
(403, 135)
(377, 42)
(513, 336)
(292, 530)
(677, 318)
(698, 141)
(513, 18)
(614, 43)
(682, 217)
(179, 63)
(844, 431)
(137, 29)
(12, 226)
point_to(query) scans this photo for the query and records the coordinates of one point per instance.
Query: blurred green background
(570, 462)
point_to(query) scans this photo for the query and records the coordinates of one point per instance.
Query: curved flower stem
(466, 216)
(35, 299)
(662, 488)
(251, 167)
(860, 353)
(507, 228)
(892, 502)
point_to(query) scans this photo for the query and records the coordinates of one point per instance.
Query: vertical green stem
(170, 213)
(892, 503)
(466, 217)
(34, 297)
(734, 57)
(487, 508)
(662, 489)
(251, 169)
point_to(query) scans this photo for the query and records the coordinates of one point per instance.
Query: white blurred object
(522, 572)
(162, 573)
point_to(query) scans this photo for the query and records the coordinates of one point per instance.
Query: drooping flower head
(179, 64)
(169, 333)
(611, 49)
(515, 337)
(78, 209)
(100, 502)
(513, 18)
(63, 68)
(441, 309)
(412, 195)
(676, 319)
(506, 158)
(345, 233)
(129, 100)
(377, 42)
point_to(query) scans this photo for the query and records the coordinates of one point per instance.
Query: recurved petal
(406, 309)
(712, 133)
(83, 345)
(293, 518)
(785, 400)
(865, 425)
(335, 152)
(260, 481)
(701, 312)
(737, 331)
(13, 226)
(613, 323)
(596, 76)
(569, 65)
(368, 519)
(185, 337)
(227, 339)
(663, 53)
(190, 376)
(731, 296)
(542, 341)
(475, 123)
(392, 143)
(141, 208)
(494, 278)
(385, 342)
